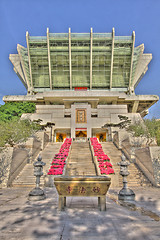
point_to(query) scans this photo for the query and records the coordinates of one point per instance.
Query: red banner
(80, 88)
(81, 129)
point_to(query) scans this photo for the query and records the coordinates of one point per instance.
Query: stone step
(80, 170)
(80, 160)
(26, 176)
(136, 178)
(80, 163)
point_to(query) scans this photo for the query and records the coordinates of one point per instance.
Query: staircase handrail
(64, 170)
(94, 159)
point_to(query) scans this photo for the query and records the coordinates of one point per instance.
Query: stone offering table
(89, 186)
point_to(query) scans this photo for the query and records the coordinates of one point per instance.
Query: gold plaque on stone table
(81, 116)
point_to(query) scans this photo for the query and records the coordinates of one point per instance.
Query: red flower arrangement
(104, 161)
(59, 159)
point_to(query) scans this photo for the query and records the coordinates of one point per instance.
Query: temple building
(81, 81)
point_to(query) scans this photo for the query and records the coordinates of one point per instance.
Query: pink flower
(59, 158)
(110, 170)
(108, 164)
(104, 164)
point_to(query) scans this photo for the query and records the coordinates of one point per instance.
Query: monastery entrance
(60, 137)
(81, 134)
(101, 136)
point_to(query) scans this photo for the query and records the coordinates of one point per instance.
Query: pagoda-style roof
(96, 61)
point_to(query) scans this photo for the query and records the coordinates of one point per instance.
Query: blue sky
(19, 16)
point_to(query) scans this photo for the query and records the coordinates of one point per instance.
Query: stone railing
(18, 156)
(136, 150)
(94, 159)
(5, 162)
(43, 138)
(149, 163)
(19, 160)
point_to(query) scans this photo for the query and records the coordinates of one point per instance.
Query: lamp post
(125, 194)
(37, 193)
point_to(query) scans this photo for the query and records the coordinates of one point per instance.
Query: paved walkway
(21, 219)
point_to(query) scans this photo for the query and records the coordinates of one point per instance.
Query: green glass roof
(92, 60)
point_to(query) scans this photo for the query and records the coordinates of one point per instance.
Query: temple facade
(81, 81)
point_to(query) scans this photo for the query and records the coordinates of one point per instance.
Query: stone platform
(21, 219)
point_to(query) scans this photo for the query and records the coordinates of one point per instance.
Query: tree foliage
(14, 110)
(16, 130)
(149, 128)
(124, 123)
(12, 129)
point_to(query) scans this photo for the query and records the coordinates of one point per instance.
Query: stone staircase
(26, 177)
(135, 178)
(80, 160)
(80, 164)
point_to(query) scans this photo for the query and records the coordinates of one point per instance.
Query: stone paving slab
(22, 219)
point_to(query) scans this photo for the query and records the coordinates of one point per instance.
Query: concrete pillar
(135, 106)
(99, 203)
(91, 42)
(73, 132)
(103, 203)
(54, 136)
(61, 203)
(64, 201)
(88, 132)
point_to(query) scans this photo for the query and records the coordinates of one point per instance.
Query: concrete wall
(57, 110)
(99, 122)
(62, 122)
(120, 137)
(146, 158)
(43, 137)
(56, 114)
(96, 117)
(46, 117)
(107, 110)
(35, 148)
(155, 156)
(50, 113)
(5, 165)
(15, 158)
(19, 160)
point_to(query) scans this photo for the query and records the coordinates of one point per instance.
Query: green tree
(16, 130)
(124, 123)
(14, 110)
(150, 130)
(12, 129)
